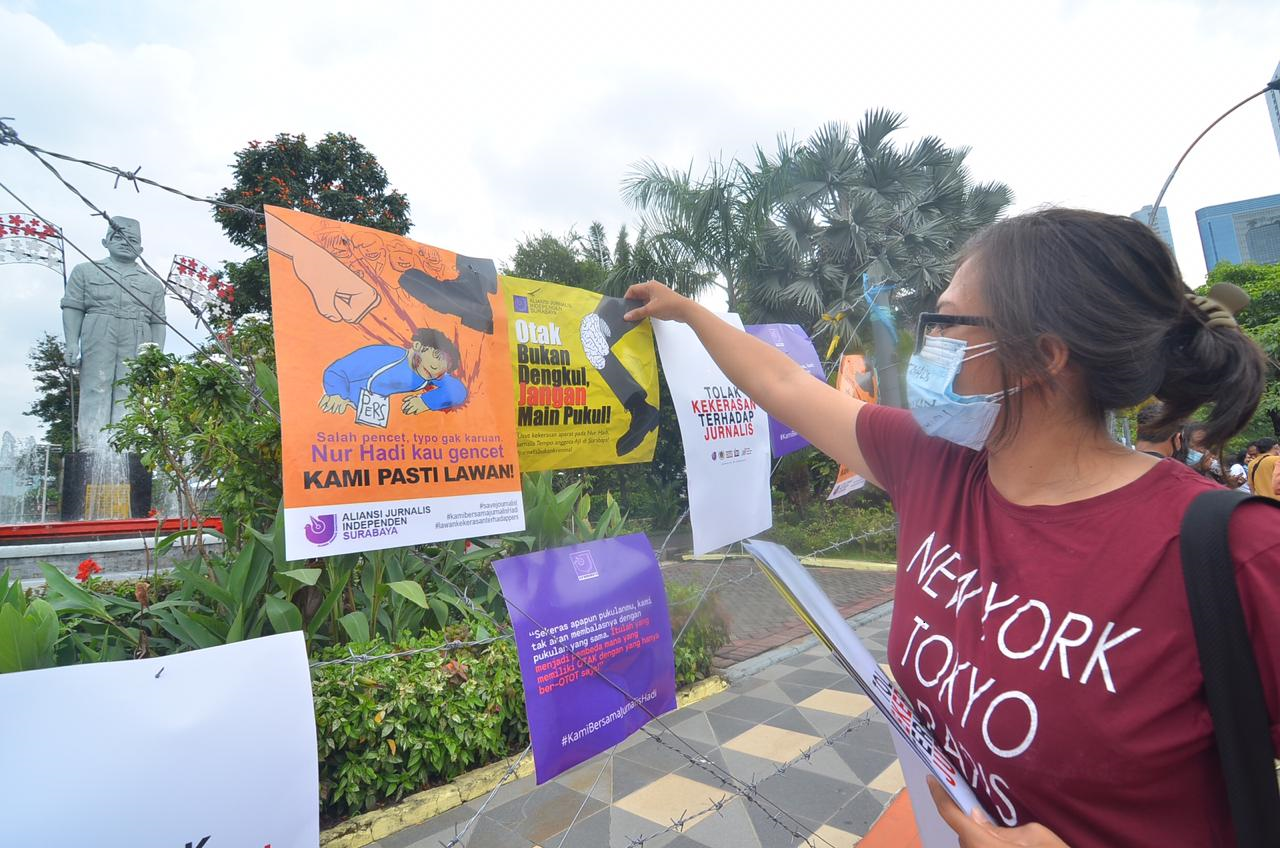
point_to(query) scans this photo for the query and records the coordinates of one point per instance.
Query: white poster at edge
(213, 748)
(726, 441)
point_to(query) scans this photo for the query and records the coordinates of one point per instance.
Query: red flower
(151, 513)
(87, 569)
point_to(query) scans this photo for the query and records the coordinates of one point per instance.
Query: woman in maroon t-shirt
(1040, 621)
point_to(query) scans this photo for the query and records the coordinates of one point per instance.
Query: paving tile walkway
(759, 618)
(762, 721)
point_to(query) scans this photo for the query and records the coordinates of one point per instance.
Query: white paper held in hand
(919, 754)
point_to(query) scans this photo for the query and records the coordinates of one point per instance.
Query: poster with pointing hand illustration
(395, 389)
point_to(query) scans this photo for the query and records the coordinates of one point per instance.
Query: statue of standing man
(109, 310)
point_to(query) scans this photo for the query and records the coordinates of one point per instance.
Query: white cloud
(504, 119)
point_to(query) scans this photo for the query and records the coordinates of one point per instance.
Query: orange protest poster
(857, 380)
(395, 390)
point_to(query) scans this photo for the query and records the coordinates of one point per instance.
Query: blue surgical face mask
(966, 420)
(1194, 456)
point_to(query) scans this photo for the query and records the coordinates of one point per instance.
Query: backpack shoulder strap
(1233, 687)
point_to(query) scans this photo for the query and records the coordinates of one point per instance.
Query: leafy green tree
(1261, 320)
(53, 386)
(789, 235)
(336, 178)
(571, 261)
(845, 203)
(711, 224)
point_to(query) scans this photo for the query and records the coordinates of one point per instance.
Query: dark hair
(428, 337)
(1265, 445)
(1153, 424)
(1108, 287)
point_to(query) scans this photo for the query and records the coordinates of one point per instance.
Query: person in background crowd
(1264, 470)
(1199, 457)
(1161, 442)
(1040, 613)
(1238, 474)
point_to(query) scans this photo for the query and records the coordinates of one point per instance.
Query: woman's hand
(659, 302)
(977, 833)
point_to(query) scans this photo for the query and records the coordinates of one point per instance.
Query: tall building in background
(1162, 224)
(1243, 231)
(1273, 109)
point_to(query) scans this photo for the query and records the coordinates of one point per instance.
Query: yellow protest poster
(586, 381)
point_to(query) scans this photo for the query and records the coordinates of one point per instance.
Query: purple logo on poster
(792, 341)
(321, 529)
(520, 302)
(582, 634)
(583, 565)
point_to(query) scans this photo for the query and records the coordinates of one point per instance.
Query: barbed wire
(511, 769)
(452, 645)
(678, 824)
(8, 135)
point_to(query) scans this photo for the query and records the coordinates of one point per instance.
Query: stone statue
(109, 311)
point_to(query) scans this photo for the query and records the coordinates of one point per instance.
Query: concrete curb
(364, 829)
(756, 664)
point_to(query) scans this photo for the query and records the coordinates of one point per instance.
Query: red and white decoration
(197, 282)
(25, 238)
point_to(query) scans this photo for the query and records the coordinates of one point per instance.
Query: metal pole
(44, 483)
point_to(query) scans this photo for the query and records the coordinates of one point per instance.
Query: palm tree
(790, 235)
(847, 204)
(710, 226)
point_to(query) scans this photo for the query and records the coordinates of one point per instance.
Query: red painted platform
(27, 534)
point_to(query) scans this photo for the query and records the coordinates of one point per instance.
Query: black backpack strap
(1232, 685)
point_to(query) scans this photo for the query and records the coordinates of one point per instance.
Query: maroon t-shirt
(1050, 648)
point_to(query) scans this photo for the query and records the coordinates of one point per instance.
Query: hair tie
(1219, 307)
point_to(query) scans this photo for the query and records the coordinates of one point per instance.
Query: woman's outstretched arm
(823, 415)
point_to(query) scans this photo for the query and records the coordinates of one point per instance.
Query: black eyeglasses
(934, 323)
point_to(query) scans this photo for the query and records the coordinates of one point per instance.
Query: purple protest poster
(580, 613)
(792, 341)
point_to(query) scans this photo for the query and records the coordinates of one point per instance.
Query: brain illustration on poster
(586, 380)
(594, 638)
(395, 392)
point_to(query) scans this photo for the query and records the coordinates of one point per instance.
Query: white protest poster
(213, 748)
(726, 441)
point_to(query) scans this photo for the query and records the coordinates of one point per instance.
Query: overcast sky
(500, 120)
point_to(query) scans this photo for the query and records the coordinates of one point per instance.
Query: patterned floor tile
(771, 691)
(809, 677)
(658, 756)
(432, 832)
(791, 718)
(489, 834)
(746, 767)
(780, 834)
(748, 708)
(594, 776)
(667, 797)
(773, 743)
(726, 728)
(858, 814)
(729, 828)
(545, 812)
(828, 763)
(890, 780)
(797, 692)
(827, 723)
(809, 796)
(695, 728)
(832, 836)
(629, 776)
(867, 763)
(847, 704)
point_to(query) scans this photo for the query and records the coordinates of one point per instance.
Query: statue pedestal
(104, 487)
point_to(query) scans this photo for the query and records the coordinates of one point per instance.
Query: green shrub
(388, 729)
(705, 635)
(835, 522)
